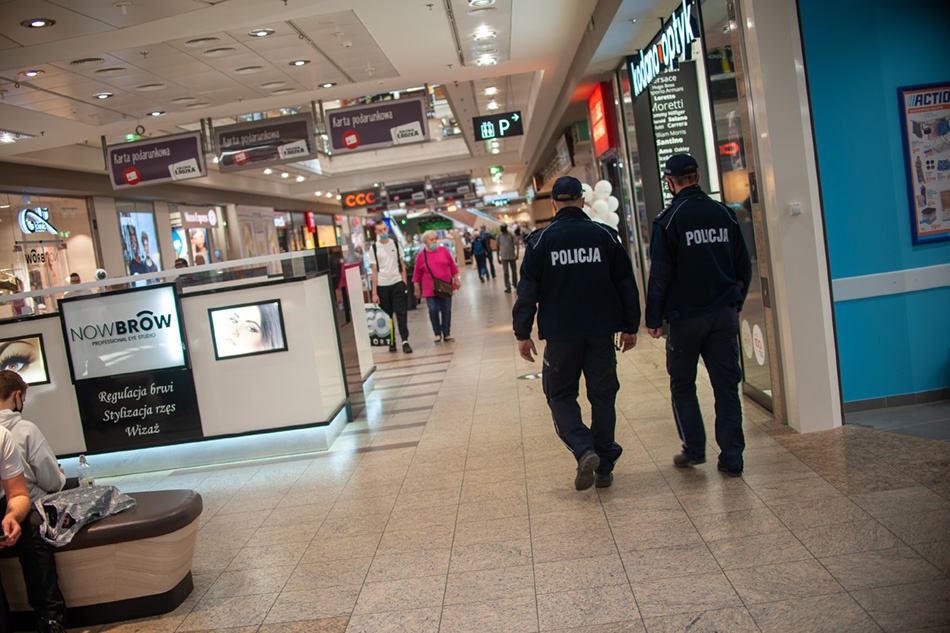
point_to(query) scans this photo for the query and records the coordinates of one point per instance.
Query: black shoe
(682, 460)
(481, 279)
(732, 472)
(392, 349)
(50, 626)
(603, 480)
(406, 347)
(586, 466)
(508, 290)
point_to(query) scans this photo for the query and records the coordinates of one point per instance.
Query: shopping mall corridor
(449, 506)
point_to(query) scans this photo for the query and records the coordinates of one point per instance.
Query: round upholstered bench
(130, 565)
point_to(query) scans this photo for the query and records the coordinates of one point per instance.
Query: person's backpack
(398, 255)
(478, 248)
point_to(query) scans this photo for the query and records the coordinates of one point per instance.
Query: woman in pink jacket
(436, 260)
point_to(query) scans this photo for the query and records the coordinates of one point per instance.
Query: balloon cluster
(600, 205)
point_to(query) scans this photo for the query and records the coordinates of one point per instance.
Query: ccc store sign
(356, 199)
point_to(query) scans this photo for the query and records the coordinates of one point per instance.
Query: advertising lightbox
(25, 356)
(123, 332)
(247, 329)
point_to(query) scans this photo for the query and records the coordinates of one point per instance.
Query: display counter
(169, 374)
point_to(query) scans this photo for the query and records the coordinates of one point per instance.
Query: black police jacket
(698, 259)
(578, 278)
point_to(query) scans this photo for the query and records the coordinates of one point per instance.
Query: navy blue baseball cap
(567, 188)
(680, 165)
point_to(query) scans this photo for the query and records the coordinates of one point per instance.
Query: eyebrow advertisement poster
(925, 127)
(139, 243)
(130, 369)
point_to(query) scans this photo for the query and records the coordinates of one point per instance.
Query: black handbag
(442, 288)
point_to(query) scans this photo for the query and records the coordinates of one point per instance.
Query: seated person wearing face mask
(43, 476)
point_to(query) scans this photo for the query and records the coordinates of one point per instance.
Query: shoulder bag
(442, 288)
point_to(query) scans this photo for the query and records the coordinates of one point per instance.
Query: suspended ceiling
(200, 59)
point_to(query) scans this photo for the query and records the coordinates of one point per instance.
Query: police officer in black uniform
(577, 277)
(699, 277)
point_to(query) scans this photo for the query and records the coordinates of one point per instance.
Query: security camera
(101, 274)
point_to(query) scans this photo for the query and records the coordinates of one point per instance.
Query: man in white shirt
(41, 475)
(390, 290)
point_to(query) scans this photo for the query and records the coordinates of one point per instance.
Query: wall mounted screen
(247, 329)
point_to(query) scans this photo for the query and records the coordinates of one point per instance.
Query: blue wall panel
(857, 54)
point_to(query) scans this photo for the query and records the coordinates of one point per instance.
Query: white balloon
(602, 189)
(588, 193)
(612, 203)
(600, 209)
(613, 219)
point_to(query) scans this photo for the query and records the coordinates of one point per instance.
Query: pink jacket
(442, 264)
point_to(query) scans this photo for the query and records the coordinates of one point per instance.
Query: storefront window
(42, 240)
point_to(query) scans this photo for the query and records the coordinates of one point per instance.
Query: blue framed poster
(925, 128)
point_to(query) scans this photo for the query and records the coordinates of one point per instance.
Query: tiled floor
(931, 420)
(449, 506)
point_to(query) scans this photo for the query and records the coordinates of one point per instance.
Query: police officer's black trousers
(714, 337)
(39, 572)
(563, 363)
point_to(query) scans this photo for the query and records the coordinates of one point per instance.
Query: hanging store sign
(377, 125)
(671, 45)
(198, 217)
(36, 220)
(453, 188)
(411, 194)
(362, 198)
(495, 126)
(164, 159)
(601, 119)
(286, 139)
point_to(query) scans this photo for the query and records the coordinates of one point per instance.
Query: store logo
(672, 44)
(36, 221)
(921, 99)
(34, 257)
(144, 322)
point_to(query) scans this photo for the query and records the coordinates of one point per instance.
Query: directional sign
(498, 125)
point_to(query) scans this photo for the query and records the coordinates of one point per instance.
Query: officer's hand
(655, 332)
(375, 298)
(527, 350)
(627, 341)
(11, 529)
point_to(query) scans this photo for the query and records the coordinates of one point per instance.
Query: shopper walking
(508, 256)
(486, 239)
(435, 264)
(699, 277)
(577, 276)
(390, 291)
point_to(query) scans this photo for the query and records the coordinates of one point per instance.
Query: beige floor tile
(409, 621)
(586, 607)
(567, 521)
(493, 555)
(662, 562)
(938, 554)
(567, 575)
(800, 490)
(401, 595)
(762, 549)
(919, 527)
(329, 602)
(490, 585)
(320, 574)
(666, 530)
(511, 615)
(250, 581)
(720, 501)
(810, 514)
(846, 538)
(145, 625)
(717, 621)
(485, 510)
(631, 626)
(880, 568)
(785, 581)
(232, 612)
(730, 525)
(902, 501)
(322, 625)
(913, 606)
(427, 562)
(268, 556)
(326, 548)
(493, 530)
(684, 594)
(570, 546)
(400, 541)
(834, 613)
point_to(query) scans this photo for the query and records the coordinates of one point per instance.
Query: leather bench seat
(133, 564)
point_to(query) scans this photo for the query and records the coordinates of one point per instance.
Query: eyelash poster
(25, 356)
(247, 329)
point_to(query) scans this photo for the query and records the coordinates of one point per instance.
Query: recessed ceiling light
(328, 84)
(492, 105)
(318, 193)
(220, 51)
(480, 10)
(261, 32)
(268, 171)
(248, 70)
(329, 194)
(480, 3)
(87, 61)
(37, 23)
(491, 91)
(195, 106)
(486, 60)
(301, 178)
(201, 41)
(486, 49)
(32, 73)
(183, 100)
(149, 87)
(273, 84)
(339, 196)
(300, 62)
(484, 35)
(285, 175)
(102, 95)
(112, 70)
(156, 113)
(495, 150)
(282, 91)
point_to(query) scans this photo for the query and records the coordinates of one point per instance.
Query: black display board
(138, 410)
